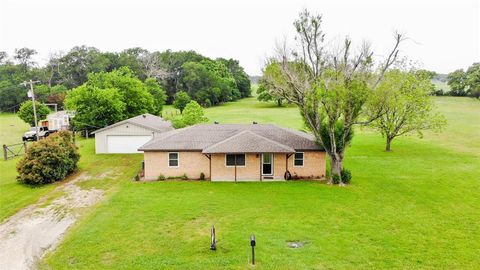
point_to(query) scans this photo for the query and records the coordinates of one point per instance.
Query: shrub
(202, 176)
(178, 123)
(48, 160)
(184, 177)
(161, 177)
(336, 179)
(346, 176)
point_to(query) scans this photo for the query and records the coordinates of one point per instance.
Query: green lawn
(417, 207)
(14, 196)
(11, 129)
(247, 110)
(441, 85)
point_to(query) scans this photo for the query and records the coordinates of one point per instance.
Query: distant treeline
(208, 81)
(463, 83)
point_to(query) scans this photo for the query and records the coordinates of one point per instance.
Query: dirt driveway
(28, 235)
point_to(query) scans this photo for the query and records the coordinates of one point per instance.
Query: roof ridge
(268, 139)
(129, 120)
(253, 133)
(173, 131)
(226, 139)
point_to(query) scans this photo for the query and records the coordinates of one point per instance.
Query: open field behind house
(11, 128)
(416, 207)
(441, 85)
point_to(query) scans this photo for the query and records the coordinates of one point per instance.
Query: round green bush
(48, 160)
(346, 176)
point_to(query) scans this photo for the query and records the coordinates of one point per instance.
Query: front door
(267, 164)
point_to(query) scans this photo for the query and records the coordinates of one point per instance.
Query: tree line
(465, 83)
(207, 81)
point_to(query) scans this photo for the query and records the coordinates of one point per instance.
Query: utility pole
(32, 95)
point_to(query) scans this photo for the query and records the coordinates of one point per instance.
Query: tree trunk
(337, 165)
(279, 102)
(389, 142)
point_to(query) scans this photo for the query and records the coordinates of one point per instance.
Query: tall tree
(95, 108)
(158, 94)
(457, 81)
(24, 56)
(405, 98)
(241, 77)
(3, 57)
(329, 89)
(181, 100)
(265, 91)
(134, 94)
(26, 112)
(473, 80)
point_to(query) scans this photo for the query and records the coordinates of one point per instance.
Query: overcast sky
(444, 35)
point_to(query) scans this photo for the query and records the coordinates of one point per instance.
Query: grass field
(417, 207)
(14, 196)
(11, 128)
(440, 85)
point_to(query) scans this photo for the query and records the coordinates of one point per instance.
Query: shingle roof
(248, 142)
(231, 138)
(146, 120)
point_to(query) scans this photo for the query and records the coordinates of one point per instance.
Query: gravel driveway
(29, 234)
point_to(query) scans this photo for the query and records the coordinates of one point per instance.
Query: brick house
(234, 152)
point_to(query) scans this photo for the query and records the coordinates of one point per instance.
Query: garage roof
(148, 121)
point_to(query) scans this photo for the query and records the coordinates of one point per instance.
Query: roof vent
(144, 115)
(255, 123)
(216, 123)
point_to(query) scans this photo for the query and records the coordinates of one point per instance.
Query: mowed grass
(14, 196)
(248, 110)
(417, 207)
(104, 170)
(11, 129)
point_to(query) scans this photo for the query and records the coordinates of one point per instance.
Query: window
(298, 162)
(235, 159)
(172, 159)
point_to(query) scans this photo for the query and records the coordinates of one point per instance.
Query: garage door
(125, 144)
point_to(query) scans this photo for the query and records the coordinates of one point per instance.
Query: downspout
(210, 166)
(286, 162)
(235, 169)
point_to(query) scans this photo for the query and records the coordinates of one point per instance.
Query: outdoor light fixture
(253, 243)
(213, 241)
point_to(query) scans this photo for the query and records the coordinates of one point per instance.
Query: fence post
(25, 146)
(5, 152)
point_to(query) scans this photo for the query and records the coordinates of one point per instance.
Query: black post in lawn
(213, 242)
(253, 243)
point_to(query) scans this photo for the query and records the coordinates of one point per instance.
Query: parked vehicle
(43, 132)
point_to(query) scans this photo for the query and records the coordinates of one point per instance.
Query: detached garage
(128, 135)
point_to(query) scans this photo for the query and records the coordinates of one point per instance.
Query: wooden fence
(14, 150)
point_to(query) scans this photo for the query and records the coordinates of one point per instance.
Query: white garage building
(128, 135)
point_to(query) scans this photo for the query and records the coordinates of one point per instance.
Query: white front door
(267, 164)
(126, 143)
